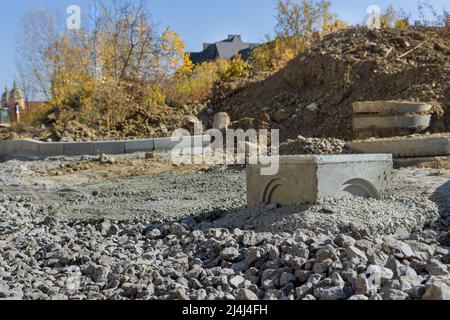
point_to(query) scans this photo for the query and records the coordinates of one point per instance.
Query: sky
(197, 21)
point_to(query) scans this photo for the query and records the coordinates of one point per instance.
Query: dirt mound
(160, 121)
(312, 96)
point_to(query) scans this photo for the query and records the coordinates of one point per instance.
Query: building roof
(225, 49)
(15, 92)
(5, 96)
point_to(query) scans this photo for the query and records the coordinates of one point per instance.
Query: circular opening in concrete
(280, 192)
(358, 188)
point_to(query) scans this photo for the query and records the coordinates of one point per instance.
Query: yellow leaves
(187, 67)
(334, 26)
(402, 24)
(173, 48)
(300, 24)
(276, 54)
(155, 95)
(235, 68)
(71, 84)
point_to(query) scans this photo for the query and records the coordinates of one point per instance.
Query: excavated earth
(313, 95)
(141, 228)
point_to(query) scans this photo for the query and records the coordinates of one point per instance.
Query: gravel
(48, 258)
(303, 145)
(71, 244)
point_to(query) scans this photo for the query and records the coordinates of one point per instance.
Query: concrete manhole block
(305, 179)
(412, 122)
(390, 118)
(390, 107)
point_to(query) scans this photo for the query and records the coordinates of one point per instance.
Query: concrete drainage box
(305, 179)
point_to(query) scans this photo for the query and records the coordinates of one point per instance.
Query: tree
(105, 72)
(187, 67)
(389, 17)
(302, 19)
(126, 43)
(299, 25)
(39, 33)
(172, 52)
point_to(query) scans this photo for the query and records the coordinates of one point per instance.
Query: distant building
(13, 101)
(225, 49)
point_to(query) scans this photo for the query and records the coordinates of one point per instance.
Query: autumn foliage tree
(299, 25)
(105, 72)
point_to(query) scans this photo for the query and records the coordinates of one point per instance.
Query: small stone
(50, 221)
(402, 250)
(200, 295)
(409, 282)
(104, 159)
(362, 285)
(253, 255)
(376, 297)
(237, 281)
(180, 294)
(437, 291)
(154, 234)
(229, 254)
(394, 265)
(100, 274)
(274, 253)
(377, 257)
(297, 263)
(287, 277)
(320, 267)
(104, 227)
(344, 241)
(355, 253)
(337, 280)
(393, 294)
(327, 210)
(304, 290)
(358, 297)
(384, 274)
(303, 275)
(325, 253)
(177, 229)
(334, 293)
(436, 268)
(246, 295)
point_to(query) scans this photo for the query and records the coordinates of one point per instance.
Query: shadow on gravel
(442, 198)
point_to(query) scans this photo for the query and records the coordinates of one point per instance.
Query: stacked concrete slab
(389, 118)
(38, 149)
(405, 147)
(305, 179)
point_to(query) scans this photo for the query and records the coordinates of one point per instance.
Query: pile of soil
(160, 121)
(313, 95)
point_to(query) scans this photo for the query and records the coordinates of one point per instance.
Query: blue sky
(197, 21)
